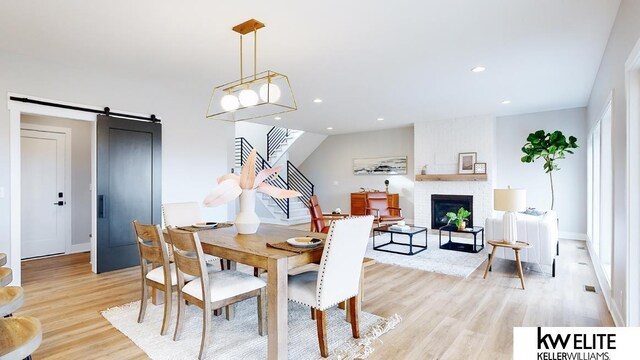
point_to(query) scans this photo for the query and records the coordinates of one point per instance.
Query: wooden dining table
(252, 250)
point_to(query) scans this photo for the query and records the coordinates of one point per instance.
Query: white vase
(247, 221)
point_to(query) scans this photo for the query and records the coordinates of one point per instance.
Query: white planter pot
(247, 221)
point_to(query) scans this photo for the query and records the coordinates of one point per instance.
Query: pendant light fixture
(262, 94)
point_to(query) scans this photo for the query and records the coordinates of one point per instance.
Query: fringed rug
(239, 339)
(433, 259)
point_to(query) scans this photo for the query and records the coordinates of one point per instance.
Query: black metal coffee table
(456, 246)
(413, 230)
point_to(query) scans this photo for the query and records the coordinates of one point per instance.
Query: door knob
(59, 203)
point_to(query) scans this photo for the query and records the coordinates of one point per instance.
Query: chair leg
(180, 319)
(355, 317)
(221, 264)
(321, 320)
(313, 314)
(262, 312)
(230, 311)
(206, 327)
(167, 310)
(143, 302)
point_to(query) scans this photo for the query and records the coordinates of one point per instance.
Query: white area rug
(239, 339)
(433, 259)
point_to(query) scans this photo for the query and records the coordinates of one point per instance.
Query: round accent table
(519, 245)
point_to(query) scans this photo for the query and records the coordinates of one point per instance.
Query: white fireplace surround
(437, 145)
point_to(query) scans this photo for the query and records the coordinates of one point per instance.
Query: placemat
(300, 250)
(196, 229)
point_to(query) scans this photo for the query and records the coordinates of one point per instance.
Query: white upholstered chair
(210, 291)
(338, 277)
(186, 214)
(539, 231)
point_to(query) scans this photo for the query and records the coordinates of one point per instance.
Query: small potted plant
(459, 219)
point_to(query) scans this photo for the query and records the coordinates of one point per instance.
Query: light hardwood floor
(444, 317)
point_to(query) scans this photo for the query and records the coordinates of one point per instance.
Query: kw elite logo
(577, 343)
(576, 346)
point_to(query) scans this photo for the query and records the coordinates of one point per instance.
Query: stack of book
(400, 227)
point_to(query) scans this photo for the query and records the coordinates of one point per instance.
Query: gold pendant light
(255, 96)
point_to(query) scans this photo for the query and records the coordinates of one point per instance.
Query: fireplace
(442, 204)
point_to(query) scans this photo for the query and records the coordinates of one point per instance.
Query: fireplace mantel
(452, 177)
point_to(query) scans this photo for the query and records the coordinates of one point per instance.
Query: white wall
(256, 135)
(570, 183)
(330, 167)
(437, 144)
(80, 173)
(611, 76)
(195, 150)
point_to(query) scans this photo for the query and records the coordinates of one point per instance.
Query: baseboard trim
(618, 320)
(78, 248)
(572, 236)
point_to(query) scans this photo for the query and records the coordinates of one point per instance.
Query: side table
(519, 245)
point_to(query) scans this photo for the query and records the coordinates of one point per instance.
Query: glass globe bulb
(248, 97)
(229, 102)
(270, 93)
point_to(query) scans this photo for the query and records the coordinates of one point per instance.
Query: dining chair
(20, 337)
(186, 214)
(318, 219)
(153, 250)
(338, 277)
(377, 204)
(210, 291)
(6, 276)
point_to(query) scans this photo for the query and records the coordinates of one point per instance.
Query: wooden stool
(3, 259)
(6, 276)
(519, 245)
(21, 336)
(11, 299)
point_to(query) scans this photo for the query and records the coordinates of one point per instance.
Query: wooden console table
(358, 203)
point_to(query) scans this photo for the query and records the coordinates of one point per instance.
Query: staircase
(278, 142)
(291, 211)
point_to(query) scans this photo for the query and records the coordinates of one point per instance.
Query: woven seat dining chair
(319, 219)
(338, 277)
(210, 291)
(186, 214)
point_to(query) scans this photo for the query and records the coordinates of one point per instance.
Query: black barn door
(128, 165)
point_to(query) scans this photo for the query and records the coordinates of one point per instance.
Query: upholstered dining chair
(377, 204)
(186, 214)
(162, 274)
(338, 277)
(318, 219)
(213, 290)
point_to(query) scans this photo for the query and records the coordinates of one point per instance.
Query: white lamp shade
(509, 199)
(248, 97)
(270, 93)
(229, 103)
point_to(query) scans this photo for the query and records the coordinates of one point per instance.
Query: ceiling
(404, 61)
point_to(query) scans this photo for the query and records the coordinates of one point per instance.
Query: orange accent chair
(318, 223)
(377, 204)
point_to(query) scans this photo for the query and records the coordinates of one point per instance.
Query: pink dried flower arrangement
(230, 186)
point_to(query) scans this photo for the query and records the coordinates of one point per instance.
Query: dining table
(252, 250)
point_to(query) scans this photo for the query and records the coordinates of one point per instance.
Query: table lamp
(510, 201)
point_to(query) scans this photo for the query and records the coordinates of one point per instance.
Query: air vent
(581, 248)
(583, 263)
(590, 288)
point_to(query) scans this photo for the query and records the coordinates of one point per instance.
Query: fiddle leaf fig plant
(458, 218)
(549, 147)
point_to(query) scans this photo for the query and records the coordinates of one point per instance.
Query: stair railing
(243, 149)
(298, 182)
(275, 138)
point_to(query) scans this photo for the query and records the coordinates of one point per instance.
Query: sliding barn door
(128, 188)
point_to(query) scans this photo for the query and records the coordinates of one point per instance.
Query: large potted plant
(549, 147)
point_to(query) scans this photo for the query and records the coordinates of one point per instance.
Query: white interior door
(44, 223)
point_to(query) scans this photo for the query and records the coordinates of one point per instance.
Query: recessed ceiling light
(506, 102)
(329, 128)
(478, 69)
(380, 119)
(317, 101)
(277, 118)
